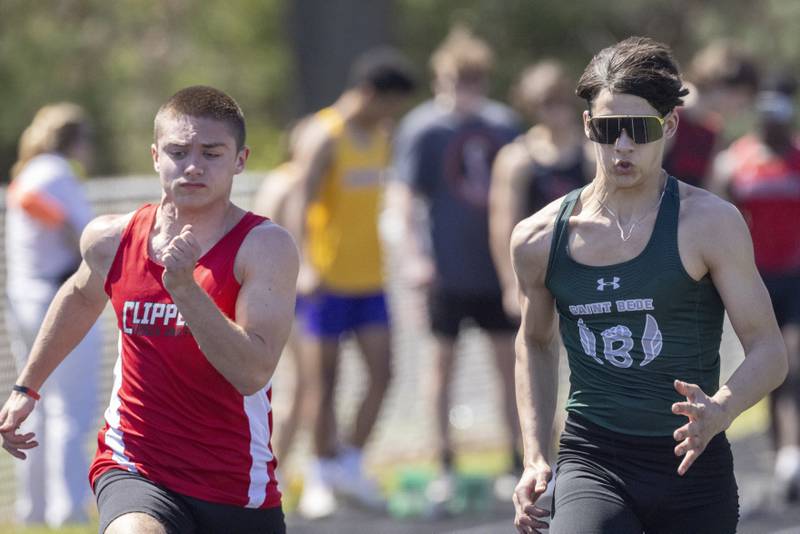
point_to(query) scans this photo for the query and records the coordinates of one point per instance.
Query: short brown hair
(462, 53)
(204, 102)
(638, 66)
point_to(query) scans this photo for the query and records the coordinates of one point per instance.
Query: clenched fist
(179, 259)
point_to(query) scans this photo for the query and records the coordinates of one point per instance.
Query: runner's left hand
(179, 259)
(706, 419)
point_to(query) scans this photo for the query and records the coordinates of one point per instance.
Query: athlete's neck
(626, 203)
(208, 224)
(351, 106)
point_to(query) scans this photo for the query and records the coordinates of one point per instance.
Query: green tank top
(632, 328)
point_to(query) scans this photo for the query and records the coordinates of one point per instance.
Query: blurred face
(466, 91)
(385, 106)
(196, 159)
(624, 162)
(731, 101)
(556, 112)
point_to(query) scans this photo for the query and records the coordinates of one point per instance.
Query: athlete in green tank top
(640, 269)
(628, 333)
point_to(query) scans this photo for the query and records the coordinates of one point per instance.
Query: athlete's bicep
(538, 314)
(529, 253)
(265, 305)
(731, 265)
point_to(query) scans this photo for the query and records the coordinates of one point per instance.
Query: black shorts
(120, 492)
(611, 482)
(448, 310)
(784, 290)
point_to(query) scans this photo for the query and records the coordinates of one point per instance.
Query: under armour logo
(601, 283)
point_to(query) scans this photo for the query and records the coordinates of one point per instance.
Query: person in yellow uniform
(342, 156)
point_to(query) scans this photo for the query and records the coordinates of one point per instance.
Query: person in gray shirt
(443, 156)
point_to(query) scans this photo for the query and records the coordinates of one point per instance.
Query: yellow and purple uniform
(342, 242)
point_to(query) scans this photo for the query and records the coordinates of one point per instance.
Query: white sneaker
(317, 500)
(351, 483)
(787, 474)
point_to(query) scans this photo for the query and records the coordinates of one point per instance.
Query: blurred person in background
(47, 209)
(723, 81)
(760, 173)
(547, 162)
(624, 271)
(443, 158)
(341, 159)
(278, 198)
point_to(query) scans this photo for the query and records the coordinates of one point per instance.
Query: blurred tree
(523, 31)
(121, 59)
(280, 58)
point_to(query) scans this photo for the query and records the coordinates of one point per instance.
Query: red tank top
(172, 417)
(766, 187)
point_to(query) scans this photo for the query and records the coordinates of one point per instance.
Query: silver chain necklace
(637, 221)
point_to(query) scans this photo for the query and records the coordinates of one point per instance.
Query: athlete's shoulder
(268, 243)
(704, 215)
(101, 238)
(532, 237)
(705, 210)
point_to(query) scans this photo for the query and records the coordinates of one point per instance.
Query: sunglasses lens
(606, 130)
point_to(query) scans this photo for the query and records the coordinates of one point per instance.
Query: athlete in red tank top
(204, 296)
(172, 416)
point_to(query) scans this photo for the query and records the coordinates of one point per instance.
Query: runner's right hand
(532, 484)
(17, 408)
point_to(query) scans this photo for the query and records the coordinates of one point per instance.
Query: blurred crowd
(454, 175)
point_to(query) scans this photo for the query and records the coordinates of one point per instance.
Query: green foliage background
(121, 59)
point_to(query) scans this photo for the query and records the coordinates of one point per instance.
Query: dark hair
(385, 70)
(205, 102)
(637, 66)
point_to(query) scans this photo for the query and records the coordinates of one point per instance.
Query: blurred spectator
(278, 198)
(341, 159)
(724, 80)
(47, 210)
(444, 154)
(760, 172)
(544, 164)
